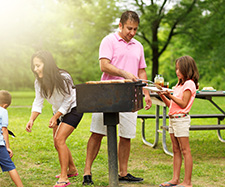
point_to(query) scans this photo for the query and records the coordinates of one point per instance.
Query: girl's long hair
(52, 75)
(188, 68)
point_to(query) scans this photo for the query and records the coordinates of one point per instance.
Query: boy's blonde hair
(5, 97)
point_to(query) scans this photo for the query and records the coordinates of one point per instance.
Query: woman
(55, 85)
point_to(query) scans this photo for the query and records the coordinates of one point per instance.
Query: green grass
(37, 161)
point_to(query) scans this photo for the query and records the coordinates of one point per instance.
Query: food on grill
(128, 80)
(109, 81)
(92, 82)
(117, 81)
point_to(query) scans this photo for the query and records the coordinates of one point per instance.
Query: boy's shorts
(127, 124)
(180, 126)
(5, 161)
(72, 118)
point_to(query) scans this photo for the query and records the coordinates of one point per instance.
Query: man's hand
(128, 75)
(148, 102)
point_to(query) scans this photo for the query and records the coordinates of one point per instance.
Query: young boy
(5, 152)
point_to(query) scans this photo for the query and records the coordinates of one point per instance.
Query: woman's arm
(53, 120)
(30, 123)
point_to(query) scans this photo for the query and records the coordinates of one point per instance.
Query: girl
(179, 120)
(55, 85)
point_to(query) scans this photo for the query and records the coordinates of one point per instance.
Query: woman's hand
(53, 122)
(29, 125)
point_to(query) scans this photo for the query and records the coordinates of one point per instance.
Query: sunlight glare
(14, 17)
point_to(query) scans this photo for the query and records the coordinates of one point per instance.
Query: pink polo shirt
(178, 92)
(123, 55)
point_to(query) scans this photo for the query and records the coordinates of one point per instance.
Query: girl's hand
(159, 93)
(29, 126)
(10, 152)
(167, 93)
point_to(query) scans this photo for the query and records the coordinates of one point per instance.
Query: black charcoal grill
(110, 99)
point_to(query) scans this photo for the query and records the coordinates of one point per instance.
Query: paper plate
(154, 89)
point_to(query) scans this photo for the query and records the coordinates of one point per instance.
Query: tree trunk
(155, 48)
(155, 61)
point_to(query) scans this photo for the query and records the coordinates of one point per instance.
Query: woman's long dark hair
(52, 75)
(188, 68)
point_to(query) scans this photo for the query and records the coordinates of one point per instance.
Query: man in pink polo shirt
(121, 57)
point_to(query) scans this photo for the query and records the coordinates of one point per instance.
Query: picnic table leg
(219, 134)
(220, 109)
(164, 134)
(156, 130)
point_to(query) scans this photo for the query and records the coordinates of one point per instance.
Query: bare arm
(6, 138)
(164, 98)
(142, 75)
(108, 68)
(30, 123)
(181, 102)
(53, 120)
(184, 101)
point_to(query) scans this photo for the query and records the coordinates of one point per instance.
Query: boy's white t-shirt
(3, 123)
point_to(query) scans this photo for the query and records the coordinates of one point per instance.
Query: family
(121, 57)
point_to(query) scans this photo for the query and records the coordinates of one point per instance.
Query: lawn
(37, 161)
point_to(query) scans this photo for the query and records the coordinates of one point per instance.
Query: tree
(207, 38)
(70, 29)
(155, 19)
(89, 24)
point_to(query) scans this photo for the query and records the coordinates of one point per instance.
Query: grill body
(110, 99)
(107, 98)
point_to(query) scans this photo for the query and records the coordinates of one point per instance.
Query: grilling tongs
(148, 81)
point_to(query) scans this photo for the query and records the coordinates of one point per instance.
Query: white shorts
(180, 126)
(127, 124)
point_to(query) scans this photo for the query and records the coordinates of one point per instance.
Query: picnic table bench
(158, 102)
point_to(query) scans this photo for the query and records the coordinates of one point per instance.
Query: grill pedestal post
(111, 120)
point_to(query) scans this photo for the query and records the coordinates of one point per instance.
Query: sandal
(68, 175)
(167, 184)
(64, 184)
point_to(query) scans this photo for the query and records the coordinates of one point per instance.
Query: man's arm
(110, 69)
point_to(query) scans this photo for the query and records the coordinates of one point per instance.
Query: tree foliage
(157, 19)
(73, 29)
(202, 38)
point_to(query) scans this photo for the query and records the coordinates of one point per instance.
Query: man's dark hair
(129, 15)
